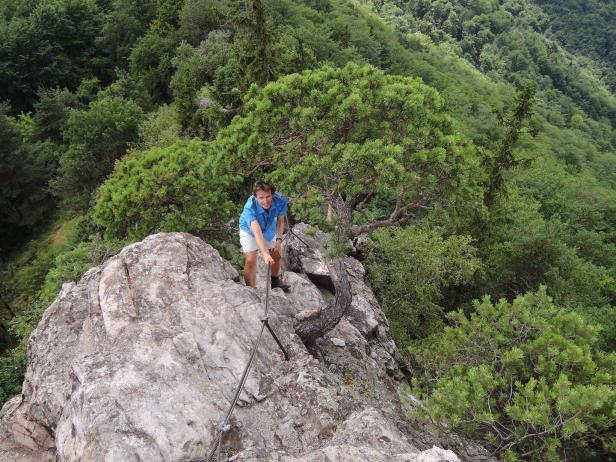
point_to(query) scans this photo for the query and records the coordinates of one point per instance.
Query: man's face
(264, 199)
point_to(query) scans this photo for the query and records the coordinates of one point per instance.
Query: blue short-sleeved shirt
(267, 218)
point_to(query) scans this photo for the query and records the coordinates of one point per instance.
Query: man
(261, 228)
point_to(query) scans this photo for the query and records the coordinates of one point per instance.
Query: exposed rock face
(138, 361)
(303, 255)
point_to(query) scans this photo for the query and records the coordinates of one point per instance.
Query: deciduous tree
(97, 137)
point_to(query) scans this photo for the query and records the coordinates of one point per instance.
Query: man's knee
(250, 259)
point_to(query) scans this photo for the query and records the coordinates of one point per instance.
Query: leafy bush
(525, 377)
(166, 189)
(97, 137)
(409, 270)
(24, 171)
(52, 110)
(196, 67)
(522, 250)
(150, 61)
(160, 128)
(25, 271)
(12, 368)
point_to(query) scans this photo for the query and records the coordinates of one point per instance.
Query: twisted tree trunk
(316, 324)
(313, 325)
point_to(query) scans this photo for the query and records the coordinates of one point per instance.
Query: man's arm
(256, 230)
(279, 233)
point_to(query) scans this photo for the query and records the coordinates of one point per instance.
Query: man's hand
(267, 258)
(276, 251)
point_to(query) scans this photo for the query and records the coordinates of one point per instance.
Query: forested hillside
(587, 29)
(472, 142)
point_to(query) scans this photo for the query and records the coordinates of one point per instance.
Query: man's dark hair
(263, 185)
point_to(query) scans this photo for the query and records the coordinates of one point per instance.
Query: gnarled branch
(258, 166)
(312, 327)
(398, 217)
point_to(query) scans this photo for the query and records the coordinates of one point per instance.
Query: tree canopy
(96, 137)
(339, 141)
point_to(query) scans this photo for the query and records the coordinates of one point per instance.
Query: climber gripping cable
(262, 223)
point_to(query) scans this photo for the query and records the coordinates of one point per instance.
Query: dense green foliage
(526, 377)
(483, 130)
(45, 45)
(24, 167)
(586, 28)
(412, 271)
(506, 40)
(96, 138)
(337, 141)
(11, 375)
(165, 189)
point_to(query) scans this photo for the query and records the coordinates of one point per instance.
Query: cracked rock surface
(139, 360)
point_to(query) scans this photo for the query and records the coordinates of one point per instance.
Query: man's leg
(250, 268)
(276, 281)
(277, 263)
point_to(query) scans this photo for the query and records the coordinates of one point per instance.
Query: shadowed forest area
(471, 143)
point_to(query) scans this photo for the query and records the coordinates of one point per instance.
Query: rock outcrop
(138, 361)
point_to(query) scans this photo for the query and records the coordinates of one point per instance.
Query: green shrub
(97, 137)
(525, 377)
(12, 369)
(409, 269)
(166, 189)
(160, 128)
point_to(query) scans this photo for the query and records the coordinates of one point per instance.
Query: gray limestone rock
(139, 360)
(303, 252)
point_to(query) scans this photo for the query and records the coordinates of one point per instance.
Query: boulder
(139, 360)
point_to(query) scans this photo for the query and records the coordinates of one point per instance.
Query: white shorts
(249, 243)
